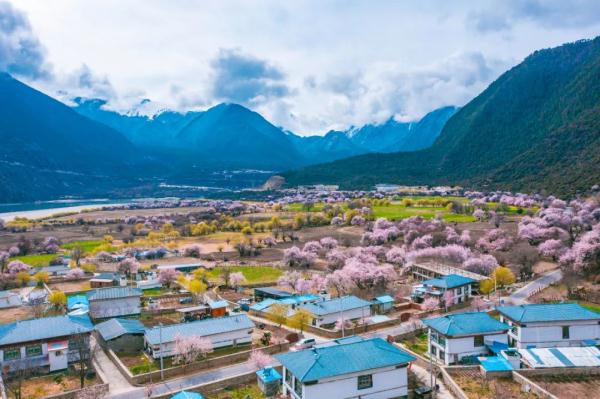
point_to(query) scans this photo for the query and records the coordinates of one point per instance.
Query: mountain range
(536, 128)
(232, 135)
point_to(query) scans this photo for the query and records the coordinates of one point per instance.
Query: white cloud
(309, 66)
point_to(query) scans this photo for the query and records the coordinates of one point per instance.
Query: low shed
(122, 335)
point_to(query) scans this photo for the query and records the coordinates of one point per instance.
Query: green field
(85, 245)
(39, 260)
(253, 274)
(417, 344)
(298, 207)
(397, 211)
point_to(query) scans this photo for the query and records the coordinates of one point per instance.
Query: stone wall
(93, 391)
(177, 371)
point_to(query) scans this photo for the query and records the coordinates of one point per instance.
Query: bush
(292, 337)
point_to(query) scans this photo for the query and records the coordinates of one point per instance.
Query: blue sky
(308, 66)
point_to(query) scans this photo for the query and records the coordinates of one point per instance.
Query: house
(464, 335)
(382, 304)
(9, 299)
(365, 368)
(103, 280)
(459, 286)
(122, 335)
(49, 342)
(347, 308)
(217, 308)
(114, 302)
(54, 271)
(293, 303)
(222, 331)
(182, 267)
(263, 293)
(551, 325)
(187, 395)
(428, 270)
(268, 380)
(78, 303)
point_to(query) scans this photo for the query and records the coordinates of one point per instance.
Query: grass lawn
(246, 391)
(253, 274)
(417, 344)
(40, 260)
(397, 211)
(86, 245)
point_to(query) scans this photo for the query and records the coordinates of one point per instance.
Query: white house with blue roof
(455, 336)
(51, 342)
(221, 331)
(347, 307)
(551, 325)
(362, 368)
(460, 286)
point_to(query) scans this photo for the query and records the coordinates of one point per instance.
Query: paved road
(178, 384)
(402, 328)
(520, 296)
(108, 371)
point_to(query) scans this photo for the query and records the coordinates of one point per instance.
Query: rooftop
(114, 328)
(43, 328)
(548, 312)
(113, 293)
(336, 305)
(470, 323)
(187, 395)
(587, 356)
(384, 299)
(217, 304)
(273, 291)
(345, 358)
(75, 300)
(449, 281)
(199, 328)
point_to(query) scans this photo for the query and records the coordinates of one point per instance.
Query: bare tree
(81, 352)
(15, 373)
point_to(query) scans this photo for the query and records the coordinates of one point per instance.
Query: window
(478, 341)
(442, 355)
(298, 387)
(365, 381)
(565, 332)
(12, 354)
(433, 350)
(288, 378)
(33, 350)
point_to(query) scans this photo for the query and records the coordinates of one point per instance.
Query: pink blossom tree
(396, 256)
(430, 304)
(167, 276)
(342, 324)
(313, 247)
(483, 264)
(328, 243)
(236, 278)
(448, 299)
(189, 349)
(495, 240)
(17, 266)
(75, 274)
(335, 259)
(260, 359)
(129, 266)
(295, 257)
(552, 248)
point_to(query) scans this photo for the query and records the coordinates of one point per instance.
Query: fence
(177, 371)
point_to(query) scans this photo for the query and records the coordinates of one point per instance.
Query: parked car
(187, 299)
(305, 343)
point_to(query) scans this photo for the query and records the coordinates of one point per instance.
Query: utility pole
(342, 316)
(162, 375)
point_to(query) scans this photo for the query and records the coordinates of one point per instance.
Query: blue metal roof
(449, 281)
(470, 323)
(200, 328)
(336, 305)
(113, 293)
(495, 363)
(330, 361)
(262, 305)
(74, 300)
(217, 304)
(384, 299)
(268, 374)
(273, 291)
(187, 395)
(44, 328)
(548, 312)
(115, 328)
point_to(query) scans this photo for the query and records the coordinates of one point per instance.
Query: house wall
(550, 334)
(389, 382)
(457, 348)
(352, 314)
(100, 309)
(230, 338)
(127, 343)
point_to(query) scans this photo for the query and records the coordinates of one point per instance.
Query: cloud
(246, 79)
(551, 14)
(21, 53)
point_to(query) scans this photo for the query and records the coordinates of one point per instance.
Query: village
(315, 293)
